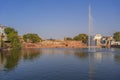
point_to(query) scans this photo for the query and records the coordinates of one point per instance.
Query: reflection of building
(2, 61)
(98, 56)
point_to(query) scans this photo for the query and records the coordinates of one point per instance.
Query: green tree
(12, 36)
(69, 38)
(81, 37)
(30, 37)
(3, 44)
(9, 30)
(116, 36)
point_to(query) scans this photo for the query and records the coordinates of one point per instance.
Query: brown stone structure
(55, 44)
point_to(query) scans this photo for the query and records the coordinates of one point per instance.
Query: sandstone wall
(55, 44)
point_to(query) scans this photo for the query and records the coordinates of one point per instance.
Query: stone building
(3, 36)
(103, 41)
(97, 39)
(2, 33)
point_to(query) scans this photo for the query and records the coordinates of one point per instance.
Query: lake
(60, 64)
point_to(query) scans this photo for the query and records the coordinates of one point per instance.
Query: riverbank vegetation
(15, 43)
(80, 37)
(12, 36)
(31, 37)
(116, 36)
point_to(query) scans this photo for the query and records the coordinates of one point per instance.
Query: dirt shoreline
(55, 44)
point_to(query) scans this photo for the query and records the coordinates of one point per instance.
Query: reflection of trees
(12, 59)
(9, 59)
(2, 60)
(81, 54)
(30, 54)
(117, 58)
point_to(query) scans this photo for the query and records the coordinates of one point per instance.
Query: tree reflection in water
(117, 58)
(81, 54)
(31, 54)
(9, 59)
(12, 59)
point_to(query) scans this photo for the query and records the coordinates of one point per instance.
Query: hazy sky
(59, 18)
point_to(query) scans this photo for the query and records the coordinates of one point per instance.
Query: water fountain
(91, 42)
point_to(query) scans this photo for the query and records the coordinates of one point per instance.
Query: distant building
(103, 41)
(2, 33)
(97, 39)
(115, 43)
(98, 36)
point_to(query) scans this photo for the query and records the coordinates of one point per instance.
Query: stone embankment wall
(55, 44)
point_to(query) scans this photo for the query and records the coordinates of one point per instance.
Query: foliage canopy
(30, 37)
(81, 37)
(12, 36)
(116, 36)
(68, 38)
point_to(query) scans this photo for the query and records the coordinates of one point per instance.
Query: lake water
(60, 64)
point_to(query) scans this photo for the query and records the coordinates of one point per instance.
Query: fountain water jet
(91, 42)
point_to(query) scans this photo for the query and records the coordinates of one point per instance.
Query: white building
(104, 41)
(97, 38)
(2, 33)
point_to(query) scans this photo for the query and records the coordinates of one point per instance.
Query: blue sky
(60, 18)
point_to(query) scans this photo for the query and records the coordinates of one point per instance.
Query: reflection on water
(30, 54)
(117, 58)
(12, 59)
(81, 54)
(91, 66)
(9, 60)
(60, 64)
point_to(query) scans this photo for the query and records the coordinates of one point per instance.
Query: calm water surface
(60, 64)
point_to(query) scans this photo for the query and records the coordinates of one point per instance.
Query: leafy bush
(81, 37)
(116, 36)
(12, 36)
(30, 37)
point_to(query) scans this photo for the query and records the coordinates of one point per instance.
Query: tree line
(13, 37)
(80, 37)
